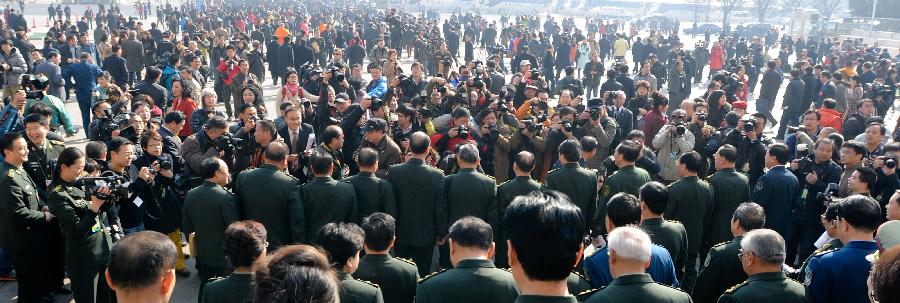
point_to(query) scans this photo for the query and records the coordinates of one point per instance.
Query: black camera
(794, 129)
(229, 143)
(493, 130)
(116, 184)
(425, 112)
(828, 195)
(701, 117)
(376, 104)
(567, 126)
(805, 165)
(889, 161)
(680, 129)
(165, 162)
(535, 74)
(595, 113)
(34, 86)
(749, 125)
(462, 132)
(479, 82)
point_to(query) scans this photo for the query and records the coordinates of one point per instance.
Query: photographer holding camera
(529, 138)
(493, 142)
(594, 121)
(36, 92)
(201, 145)
(814, 171)
(130, 208)
(457, 134)
(162, 210)
(671, 142)
(886, 168)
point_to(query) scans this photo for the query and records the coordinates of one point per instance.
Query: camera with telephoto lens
(462, 132)
(828, 195)
(535, 74)
(493, 131)
(118, 186)
(889, 161)
(34, 86)
(749, 125)
(479, 82)
(701, 117)
(794, 129)
(680, 129)
(805, 163)
(165, 162)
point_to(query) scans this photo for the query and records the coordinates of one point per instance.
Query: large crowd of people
(456, 159)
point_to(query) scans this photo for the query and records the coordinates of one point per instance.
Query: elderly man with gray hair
(469, 193)
(762, 257)
(629, 257)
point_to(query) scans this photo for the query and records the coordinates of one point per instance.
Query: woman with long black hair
(83, 223)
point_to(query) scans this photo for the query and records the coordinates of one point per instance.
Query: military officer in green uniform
(25, 221)
(628, 179)
(332, 143)
(325, 199)
(669, 234)
(469, 193)
(762, 256)
(522, 184)
(82, 222)
(730, 188)
(629, 253)
(245, 246)
(373, 194)
(343, 242)
(473, 277)
(40, 151)
(420, 206)
(576, 182)
(269, 195)
(691, 202)
(722, 268)
(208, 210)
(395, 276)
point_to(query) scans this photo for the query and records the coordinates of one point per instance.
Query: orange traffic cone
(47, 21)
(33, 24)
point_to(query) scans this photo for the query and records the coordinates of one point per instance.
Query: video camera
(118, 186)
(112, 121)
(229, 143)
(805, 162)
(34, 86)
(828, 195)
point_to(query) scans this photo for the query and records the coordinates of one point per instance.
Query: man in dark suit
(776, 191)
(624, 118)
(299, 137)
(88, 47)
(828, 90)
(173, 123)
(285, 58)
(51, 69)
(792, 105)
(117, 66)
(268, 195)
(133, 52)
(420, 207)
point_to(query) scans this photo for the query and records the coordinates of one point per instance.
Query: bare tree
(729, 6)
(794, 5)
(827, 7)
(762, 6)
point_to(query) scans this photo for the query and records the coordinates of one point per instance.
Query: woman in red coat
(716, 58)
(182, 102)
(656, 118)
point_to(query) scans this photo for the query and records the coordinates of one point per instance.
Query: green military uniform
(39, 165)
(325, 200)
(638, 288)
(421, 210)
(358, 291)
(239, 287)
(576, 283)
(469, 193)
(673, 237)
(208, 210)
(828, 247)
(87, 242)
(272, 197)
(395, 276)
(506, 192)
(721, 269)
(472, 280)
(691, 202)
(24, 229)
(730, 188)
(545, 299)
(373, 194)
(628, 179)
(341, 169)
(580, 185)
(766, 288)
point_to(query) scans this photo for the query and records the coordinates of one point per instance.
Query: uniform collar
(269, 166)
(377, 257)
(571, 165)
(324, 179)
(869, 245)
(343, 275)
(767, 276)
(633, 279)
(730, 170)
(366, 174)
(475, 263)
(627, 167)
(415, 160)
(523, 178)
(242, 276)
(466, 170)
(690, 178)
(652, 221)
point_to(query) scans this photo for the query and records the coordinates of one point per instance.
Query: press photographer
(375, 137)
(886, 167)
(815, 171)
(130, 207)
(748, 137)
(594, 121)
(530, 138)
(206, 144)
(671, 142)
(493, 142)
(36, 92)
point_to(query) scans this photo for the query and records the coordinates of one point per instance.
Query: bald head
(419, 143)
(524, 163)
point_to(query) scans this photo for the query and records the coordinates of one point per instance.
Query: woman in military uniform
(83, 224)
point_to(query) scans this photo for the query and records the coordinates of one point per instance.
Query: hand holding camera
(96, 201)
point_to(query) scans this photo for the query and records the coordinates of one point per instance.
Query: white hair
(630, 243)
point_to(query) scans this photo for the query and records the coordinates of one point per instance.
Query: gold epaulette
(57, 142)
(407, 261)
(674, 221)
(367, 282)
(720, 244)
(670, 286)
(734, 288)
(431, 275)
(579, 275)
(587, 293)
(820, 253)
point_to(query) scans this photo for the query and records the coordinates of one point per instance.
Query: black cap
(376, 124)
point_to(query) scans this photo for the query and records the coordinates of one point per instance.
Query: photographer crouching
(162, 210)
(817, 170)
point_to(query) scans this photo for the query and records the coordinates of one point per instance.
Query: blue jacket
(662, 269)
(840, 276)
(85, 75)
(777, 193)
(10, 121)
